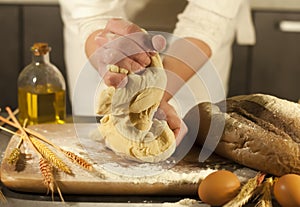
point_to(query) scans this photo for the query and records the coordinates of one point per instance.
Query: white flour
(166, 176)
(187, 202)
(117, 169)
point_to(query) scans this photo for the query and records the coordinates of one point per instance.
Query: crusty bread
(261, 132)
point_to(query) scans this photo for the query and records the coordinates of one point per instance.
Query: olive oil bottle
(41, 89)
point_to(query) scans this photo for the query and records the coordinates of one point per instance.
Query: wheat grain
(50, 156)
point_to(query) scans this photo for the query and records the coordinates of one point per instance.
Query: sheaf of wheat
(265, 193)
(247, 191)
(50, 156)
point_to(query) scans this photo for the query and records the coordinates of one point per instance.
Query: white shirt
(213, 21)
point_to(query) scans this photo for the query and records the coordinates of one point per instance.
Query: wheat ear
(25, 137)
(72, 156)
(49, 181)
(246, 192)
(79, 160)
(265, 193)
(14, 156)
(47, 173)
(50, 156)
(15, 153)
(16, 124)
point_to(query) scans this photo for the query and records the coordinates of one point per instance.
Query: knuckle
(131, 28)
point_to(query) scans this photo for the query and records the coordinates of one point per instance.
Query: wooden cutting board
(121, 176)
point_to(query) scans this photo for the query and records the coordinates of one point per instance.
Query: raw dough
(128, 126)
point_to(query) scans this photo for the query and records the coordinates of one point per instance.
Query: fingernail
(159, 42)
(100, 39)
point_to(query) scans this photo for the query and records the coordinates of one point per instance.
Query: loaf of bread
(260, 131)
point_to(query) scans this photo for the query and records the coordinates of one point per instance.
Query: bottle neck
(41, 58)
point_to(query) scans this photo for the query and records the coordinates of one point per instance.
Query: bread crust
(261, 132)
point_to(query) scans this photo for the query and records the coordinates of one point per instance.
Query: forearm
(91, 45)
(182, 61)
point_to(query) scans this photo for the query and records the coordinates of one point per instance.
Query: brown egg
(287, 190)
(219, 187)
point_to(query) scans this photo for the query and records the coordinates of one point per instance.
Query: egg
(287, 190)
(219, 187)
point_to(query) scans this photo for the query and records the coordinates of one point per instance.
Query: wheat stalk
(16, 111)
(41, 151)
(16, 124)
(246, 192)
(50, 156)
(72, 156)
(2, 197)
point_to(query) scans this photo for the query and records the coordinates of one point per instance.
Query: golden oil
(48, 106)
(41, 89)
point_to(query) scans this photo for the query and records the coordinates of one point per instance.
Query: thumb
(159, 42)
(180, 133)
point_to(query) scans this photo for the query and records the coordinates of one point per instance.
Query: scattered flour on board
(117, 169)
(187, 202)
(165, 176)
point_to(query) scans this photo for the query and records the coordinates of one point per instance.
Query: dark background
(271, 66)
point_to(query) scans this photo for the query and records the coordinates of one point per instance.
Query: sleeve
(207, 20)
(90, 15)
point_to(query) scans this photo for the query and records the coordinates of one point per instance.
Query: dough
(128, 126)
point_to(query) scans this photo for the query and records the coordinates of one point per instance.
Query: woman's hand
(168, 113)
(126, 45)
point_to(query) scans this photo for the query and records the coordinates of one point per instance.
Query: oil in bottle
(41, 89)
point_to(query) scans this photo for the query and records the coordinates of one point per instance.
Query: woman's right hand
(127, 46)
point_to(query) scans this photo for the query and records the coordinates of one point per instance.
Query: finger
(131, 49)
(160, 114)
(105, 36)
(142, 59)
(130, 65)
(121, 26)
(117, 80)
(173, 120)
(147, 42)
(126, 46)
(139, 45)
(111, 56)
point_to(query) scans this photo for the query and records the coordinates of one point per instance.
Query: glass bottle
(41, 89)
